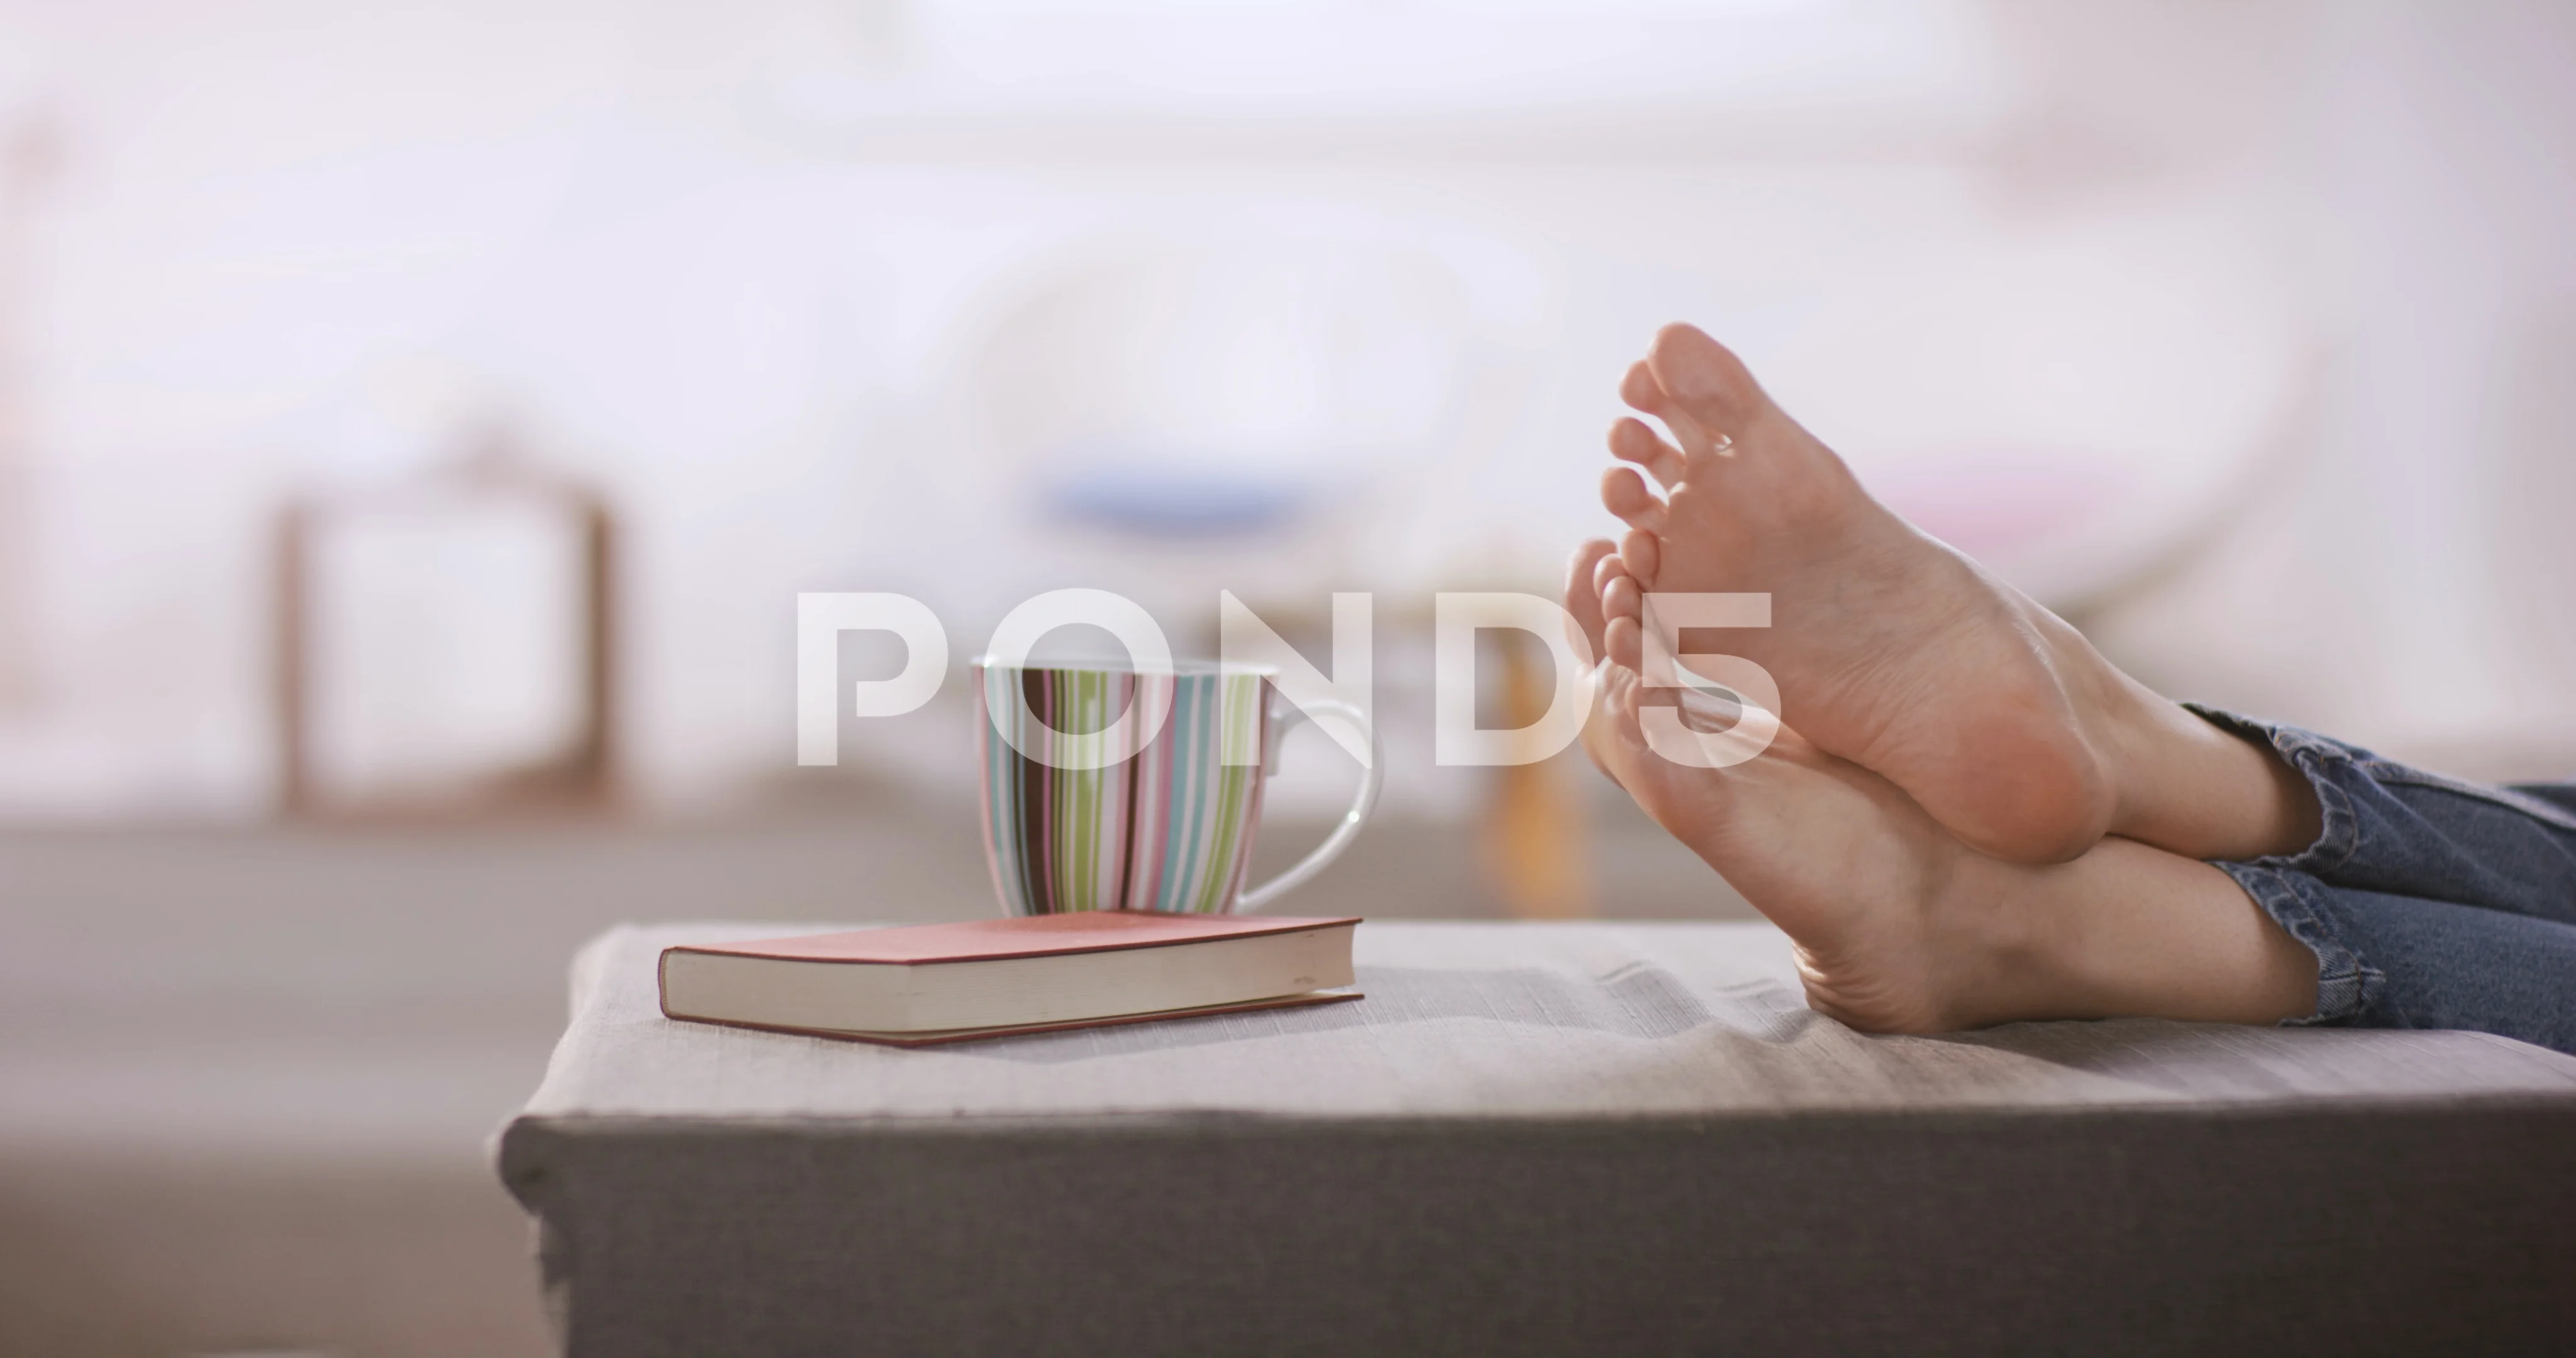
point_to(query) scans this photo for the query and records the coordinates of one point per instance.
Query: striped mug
(1110, 788)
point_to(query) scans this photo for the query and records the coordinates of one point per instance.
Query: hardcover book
(928, 983)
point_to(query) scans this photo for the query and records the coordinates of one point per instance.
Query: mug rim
(1186, 668)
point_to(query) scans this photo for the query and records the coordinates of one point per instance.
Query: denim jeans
(2429, 902)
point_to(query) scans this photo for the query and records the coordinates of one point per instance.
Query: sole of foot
(1891, 651)
(1898, 926)
(1868, 888)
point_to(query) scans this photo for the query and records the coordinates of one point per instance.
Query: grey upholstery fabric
(1544, 1139)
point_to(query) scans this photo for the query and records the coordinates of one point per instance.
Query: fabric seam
(2346, 985)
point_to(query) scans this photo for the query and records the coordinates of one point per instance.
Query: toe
(1642, 553)
(1624, 493)
(1622, 604)
(1632, 441)
(1703, 381)
(1610, 732)
(1647, 396)
(1605, 570)
(1641, 391)
(1583, 594)
(1622, 599)
(1623, 642)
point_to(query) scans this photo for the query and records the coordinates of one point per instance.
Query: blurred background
(416, 420)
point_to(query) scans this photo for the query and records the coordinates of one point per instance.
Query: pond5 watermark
(1734, 688)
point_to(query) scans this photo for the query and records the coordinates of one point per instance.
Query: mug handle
(1343, 833)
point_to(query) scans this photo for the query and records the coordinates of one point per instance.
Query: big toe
(1583, 595)
(1611, 734)
(1705, 378)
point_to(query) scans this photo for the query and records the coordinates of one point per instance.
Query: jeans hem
(2346, 985)
(2282, 884)
(2316, 758)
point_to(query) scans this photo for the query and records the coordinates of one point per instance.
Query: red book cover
(988, 940)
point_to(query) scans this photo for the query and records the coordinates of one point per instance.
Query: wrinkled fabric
(2429, 902)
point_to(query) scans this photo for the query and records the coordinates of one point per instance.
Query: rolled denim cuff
(2326, 763)
(2285, 885)
(2304, 906)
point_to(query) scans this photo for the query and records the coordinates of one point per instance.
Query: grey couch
(1544, 1139)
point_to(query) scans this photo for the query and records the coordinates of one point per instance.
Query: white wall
(2404, 576)
(2069, 281)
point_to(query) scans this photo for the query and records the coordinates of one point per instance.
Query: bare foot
(1900, 655)
(1901, 928)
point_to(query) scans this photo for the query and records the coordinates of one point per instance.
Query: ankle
(2144, 933)
(2189, 787)
(2297, 820)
